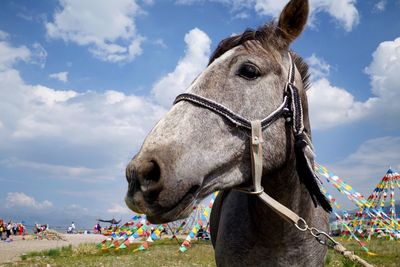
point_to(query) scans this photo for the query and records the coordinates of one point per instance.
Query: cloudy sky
(82, 82)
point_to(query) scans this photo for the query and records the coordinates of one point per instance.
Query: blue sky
(82, 82)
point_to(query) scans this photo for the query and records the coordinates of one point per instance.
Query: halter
(290, 109)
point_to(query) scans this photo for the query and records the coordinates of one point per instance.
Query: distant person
(21, 229)
(200, 233)
(2, 230)
(14, 229)
(97, 228)
(4, 234)
(73, 227)
(164, 231)
(9, 229)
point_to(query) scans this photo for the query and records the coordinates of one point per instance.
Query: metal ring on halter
(305, 227)
(314, 232)
(328, 239)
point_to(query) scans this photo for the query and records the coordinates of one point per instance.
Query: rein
(291, 110)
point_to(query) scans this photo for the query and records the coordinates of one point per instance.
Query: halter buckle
(256, 141)
(287, 114)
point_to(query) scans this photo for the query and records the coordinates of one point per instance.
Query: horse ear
(293, 19)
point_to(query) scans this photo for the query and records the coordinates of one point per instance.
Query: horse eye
(249, 71)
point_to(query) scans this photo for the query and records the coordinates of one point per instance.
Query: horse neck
(284, 186)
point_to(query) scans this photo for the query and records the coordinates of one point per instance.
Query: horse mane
(268, 35)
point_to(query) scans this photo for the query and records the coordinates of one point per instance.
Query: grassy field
(165, 253)
(388, 253)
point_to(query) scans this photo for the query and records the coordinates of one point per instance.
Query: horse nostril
(144, 176)
(150, 171)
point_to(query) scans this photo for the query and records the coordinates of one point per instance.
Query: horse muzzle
(148, 192)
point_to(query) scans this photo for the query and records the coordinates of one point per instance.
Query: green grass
(51, 253)
(161, 253)
(165, 253)
(388, 254)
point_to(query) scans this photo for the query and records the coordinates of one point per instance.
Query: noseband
(290, 109)
(291, 102)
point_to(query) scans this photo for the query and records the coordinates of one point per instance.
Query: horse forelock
(269, 38)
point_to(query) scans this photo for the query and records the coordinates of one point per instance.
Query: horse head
(192, 152)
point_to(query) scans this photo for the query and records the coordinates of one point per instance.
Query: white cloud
(21, 200)
(331, 106)
(195, 60)
(111, 121)
(160, 42)
(10, 55)
(107, 27)
(61, 76)
(50, 97)
(384, 69)
(148, 2)
(343, 11)
(75, 209)
(110, 125)
(269, 7)
(31, 111)
(38, 55)
(242, 15)
(54, 171)
(384, 72)
(54, 113)
(318, 67)
(236, 5)
(119, 209)
(380, 6)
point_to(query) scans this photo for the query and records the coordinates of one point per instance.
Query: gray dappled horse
(202, 145)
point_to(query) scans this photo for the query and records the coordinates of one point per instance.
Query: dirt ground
(11, 251)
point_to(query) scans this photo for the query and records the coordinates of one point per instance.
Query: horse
(212, 140)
